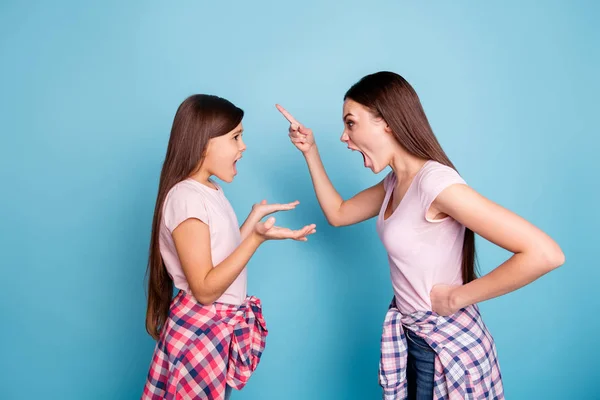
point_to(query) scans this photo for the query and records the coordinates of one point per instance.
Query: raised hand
(263, 209)
(301, 136)
(268, 231)
(259, 211)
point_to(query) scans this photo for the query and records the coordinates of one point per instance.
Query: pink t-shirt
(421, 252)
(191, 199)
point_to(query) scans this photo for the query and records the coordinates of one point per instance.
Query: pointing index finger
(287, 115)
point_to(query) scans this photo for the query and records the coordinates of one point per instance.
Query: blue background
(88, 92)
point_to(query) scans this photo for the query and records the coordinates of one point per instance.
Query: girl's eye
(350, 124)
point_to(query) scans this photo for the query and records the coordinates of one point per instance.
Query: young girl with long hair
(211, 335)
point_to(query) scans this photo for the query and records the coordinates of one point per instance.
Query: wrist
(311, 152)
(458, 299)
(256, 238)
(254, 217)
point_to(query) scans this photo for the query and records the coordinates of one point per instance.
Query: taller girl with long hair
(211, 335)
(434, 342)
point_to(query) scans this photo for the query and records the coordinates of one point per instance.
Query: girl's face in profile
(222, 154)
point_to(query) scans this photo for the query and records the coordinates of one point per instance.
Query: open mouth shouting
(366, 160)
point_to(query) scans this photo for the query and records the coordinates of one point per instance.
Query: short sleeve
(433, 181)
(184, 203)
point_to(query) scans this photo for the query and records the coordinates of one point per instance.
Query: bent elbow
(202, 297)
(557, 259)
(334, 222)
(205, 300)
(553, 257)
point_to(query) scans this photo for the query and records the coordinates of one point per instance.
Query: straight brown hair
(389, 96)
(198, 119)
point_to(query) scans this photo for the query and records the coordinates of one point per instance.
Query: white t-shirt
(192, 199)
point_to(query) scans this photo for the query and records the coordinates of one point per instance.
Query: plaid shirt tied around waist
(204, 348)
(466, 363)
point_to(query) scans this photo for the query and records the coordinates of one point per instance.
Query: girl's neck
(203, 177)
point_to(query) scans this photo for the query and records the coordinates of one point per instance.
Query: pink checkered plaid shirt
(466, 365)
(204, 348)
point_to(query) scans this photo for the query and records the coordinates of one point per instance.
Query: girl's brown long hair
(198, 119)
(389, 96)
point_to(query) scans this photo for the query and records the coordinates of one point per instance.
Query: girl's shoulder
(186, 199)
(185, 189)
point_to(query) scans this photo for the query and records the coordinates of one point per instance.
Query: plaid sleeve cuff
(395, 393)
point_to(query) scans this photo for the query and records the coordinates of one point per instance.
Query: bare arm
(339, 212)
(208, 283)
(535, 253)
